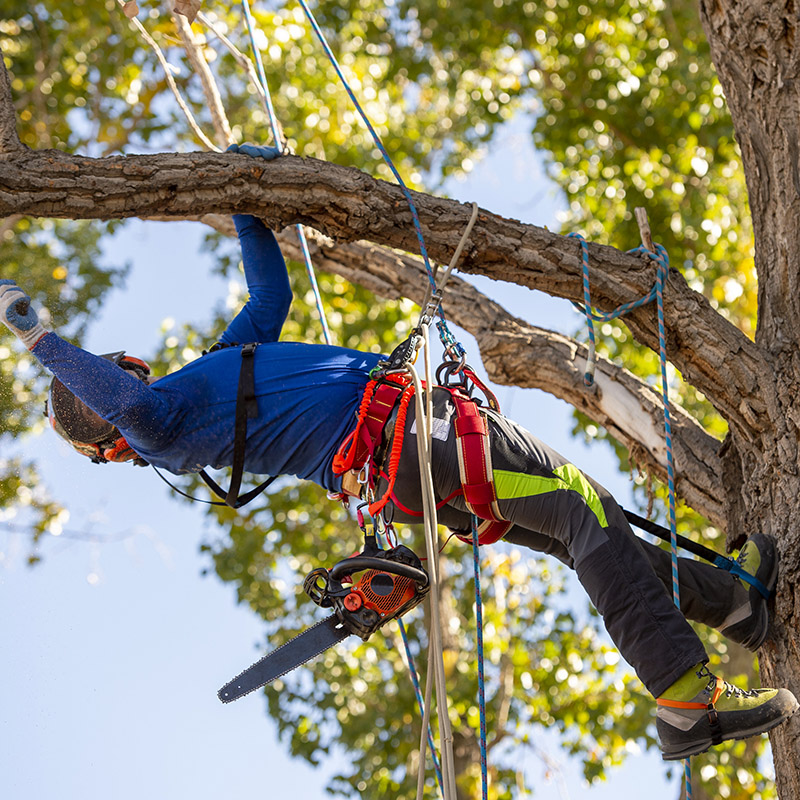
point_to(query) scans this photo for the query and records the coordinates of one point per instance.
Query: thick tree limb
(518, 354)
(346, 205)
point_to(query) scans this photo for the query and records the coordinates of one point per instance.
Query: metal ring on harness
(447, 370)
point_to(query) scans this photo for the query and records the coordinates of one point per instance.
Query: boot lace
(729, 688)
(743, 553)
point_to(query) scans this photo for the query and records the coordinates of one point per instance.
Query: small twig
(8, 223)
(644, 228)
(219, 119)
(9, 138)
(172, 85)
(244, 62)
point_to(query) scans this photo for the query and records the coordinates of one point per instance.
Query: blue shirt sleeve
(265, 312)
(118, 396)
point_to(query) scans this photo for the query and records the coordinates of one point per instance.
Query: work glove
(17, 315)
(255, 151)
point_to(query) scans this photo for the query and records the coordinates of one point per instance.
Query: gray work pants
(628, 581)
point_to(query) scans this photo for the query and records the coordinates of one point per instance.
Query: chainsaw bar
(311, 642)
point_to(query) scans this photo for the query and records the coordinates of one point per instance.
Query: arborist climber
(303, 401)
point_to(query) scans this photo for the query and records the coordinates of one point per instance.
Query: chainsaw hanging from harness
(389, 584)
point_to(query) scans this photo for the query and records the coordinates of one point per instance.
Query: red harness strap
(475, 469)
(376, 406)
(472, 439)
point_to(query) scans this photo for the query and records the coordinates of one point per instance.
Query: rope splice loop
(661, 259)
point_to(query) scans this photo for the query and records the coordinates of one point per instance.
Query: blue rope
(387, 159)
(661, 259)
(262, 77)
(656, 292)
(481, 677)
(421, 703)
(276, 133)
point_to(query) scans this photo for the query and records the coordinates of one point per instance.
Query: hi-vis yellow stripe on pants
(512, 485)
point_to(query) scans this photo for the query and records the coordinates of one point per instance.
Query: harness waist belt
(472, 439)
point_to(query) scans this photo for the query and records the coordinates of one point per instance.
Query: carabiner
(450, 370)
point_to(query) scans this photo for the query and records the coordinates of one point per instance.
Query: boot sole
(773, 575)
(697, 747)
(769, 584)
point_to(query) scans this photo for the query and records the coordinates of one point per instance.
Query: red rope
(343, 460)
(397, 450)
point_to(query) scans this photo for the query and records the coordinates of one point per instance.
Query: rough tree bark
(754, 385)
(755, 50)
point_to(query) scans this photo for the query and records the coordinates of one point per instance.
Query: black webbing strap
(719, 561)
(664, 533)
(246, 408)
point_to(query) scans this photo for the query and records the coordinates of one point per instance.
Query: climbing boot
(748, 622)
(700, 710)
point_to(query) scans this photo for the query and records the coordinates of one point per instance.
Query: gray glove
(264, 151)
(17, 315)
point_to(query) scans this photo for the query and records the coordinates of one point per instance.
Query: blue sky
(113, 651)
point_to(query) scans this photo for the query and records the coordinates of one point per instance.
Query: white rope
(433, 299)
(423, 742)
(435, 648)
(457, 254)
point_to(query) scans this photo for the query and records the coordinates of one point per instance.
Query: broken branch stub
(188, 8)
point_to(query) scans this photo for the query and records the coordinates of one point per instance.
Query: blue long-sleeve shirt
(307, 394)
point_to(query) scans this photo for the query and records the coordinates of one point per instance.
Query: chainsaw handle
(359, 563)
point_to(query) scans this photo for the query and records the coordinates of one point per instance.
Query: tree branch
(626, 406)
(247, 65)
(9, 138)
(347, 204)
(196, 129)
(222, 128)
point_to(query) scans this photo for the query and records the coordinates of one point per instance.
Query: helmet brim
(77, 420)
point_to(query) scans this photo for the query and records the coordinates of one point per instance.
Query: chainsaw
(393, 582)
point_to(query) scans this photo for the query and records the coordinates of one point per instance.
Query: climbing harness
(474, 454)
(360, 469)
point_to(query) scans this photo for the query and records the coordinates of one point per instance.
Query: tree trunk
(754, 46)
